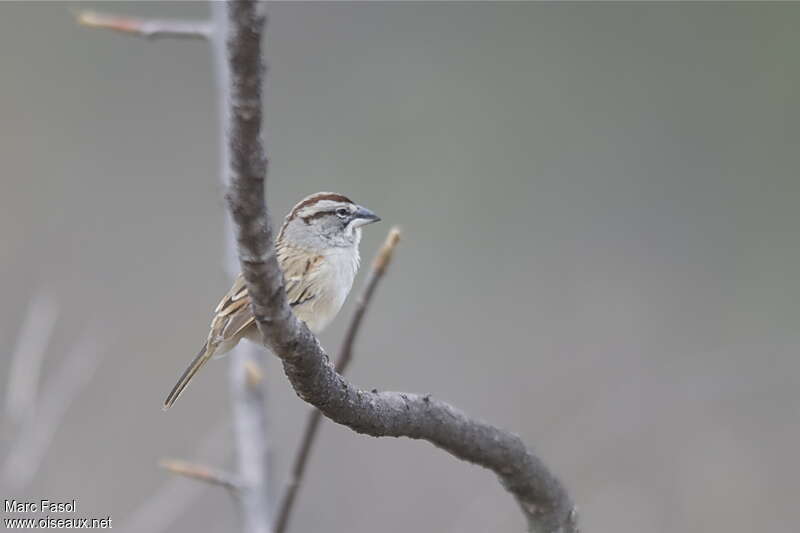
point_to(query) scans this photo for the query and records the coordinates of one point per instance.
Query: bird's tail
(197, 363)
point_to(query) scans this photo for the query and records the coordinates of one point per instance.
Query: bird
(317, 250)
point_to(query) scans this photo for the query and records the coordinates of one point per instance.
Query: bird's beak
(363, 216)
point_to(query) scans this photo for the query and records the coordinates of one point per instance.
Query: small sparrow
(317, 249)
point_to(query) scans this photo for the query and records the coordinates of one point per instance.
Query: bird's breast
(335, 279)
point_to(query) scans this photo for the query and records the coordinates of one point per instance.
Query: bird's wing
(301, 272)
(233, 313)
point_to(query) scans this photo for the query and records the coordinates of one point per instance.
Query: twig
(250, 431)
(542, 498)
(35, 436)
(379, 266)
(151, 29)
(203, 473)
(26, 359)
(168, 502)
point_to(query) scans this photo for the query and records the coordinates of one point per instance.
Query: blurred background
(600, 252)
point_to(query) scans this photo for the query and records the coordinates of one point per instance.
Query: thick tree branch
(379, 266)
(151, 29)
(247, 388)
(541, 496)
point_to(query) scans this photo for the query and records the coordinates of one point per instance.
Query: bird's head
(325, 219)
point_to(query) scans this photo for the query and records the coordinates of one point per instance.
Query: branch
(379, 266)
(26, 359)
(542, 498)
(247, 388)
(35, 436)
(165, 505)
(250, 431)
(203, 473)
(151, 29)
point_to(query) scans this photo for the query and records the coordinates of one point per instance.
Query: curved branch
(541, 496)
(310, 432)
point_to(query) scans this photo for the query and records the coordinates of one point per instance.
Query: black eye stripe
(318, 214)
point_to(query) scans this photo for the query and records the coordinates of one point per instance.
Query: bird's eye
(343, 212)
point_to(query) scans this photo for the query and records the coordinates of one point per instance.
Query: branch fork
(541, 497)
